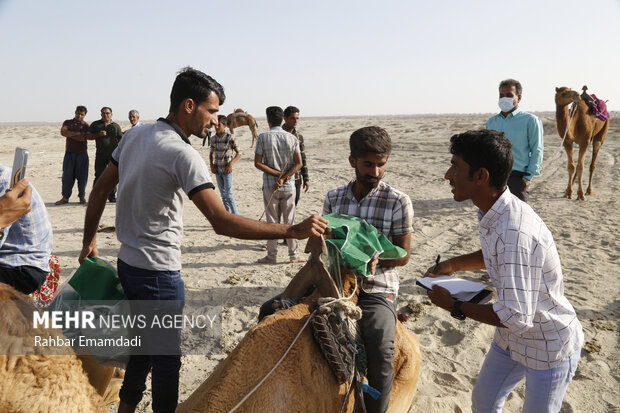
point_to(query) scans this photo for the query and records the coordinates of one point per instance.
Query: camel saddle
(598, 107)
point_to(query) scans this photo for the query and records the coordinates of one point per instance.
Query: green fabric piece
(357, 242)
(96, 279)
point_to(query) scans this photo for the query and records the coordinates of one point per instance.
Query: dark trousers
(25, 279)
(74, 166)
(100, 165)
(143, 285)
(518, 185)
(378, 328)
(298, 183)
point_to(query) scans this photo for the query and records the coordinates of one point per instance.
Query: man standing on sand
(153, 167)
(291, 118)
(75, 162)
(107, 134)
(391, 212)
(221, 159)
(277, 156)
(538, 336)
(525, 131)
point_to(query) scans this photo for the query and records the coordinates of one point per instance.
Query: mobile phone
(19, 166)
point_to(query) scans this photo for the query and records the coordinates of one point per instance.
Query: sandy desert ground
(226, 270)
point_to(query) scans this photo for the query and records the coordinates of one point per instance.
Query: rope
(274, 188)
(329, 301)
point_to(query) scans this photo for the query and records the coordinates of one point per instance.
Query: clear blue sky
(329, 58)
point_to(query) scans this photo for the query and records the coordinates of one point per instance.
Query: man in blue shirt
(524, 131)
(25, 244)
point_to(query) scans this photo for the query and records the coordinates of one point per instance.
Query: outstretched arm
(236, 226)
(467, 262)
(94, 210)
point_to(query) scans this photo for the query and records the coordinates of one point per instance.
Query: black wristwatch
(456, 311)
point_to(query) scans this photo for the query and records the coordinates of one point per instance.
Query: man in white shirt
(538, 335)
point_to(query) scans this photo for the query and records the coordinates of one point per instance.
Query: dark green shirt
(106, 144)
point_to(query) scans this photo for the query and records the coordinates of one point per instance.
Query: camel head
(565, 96)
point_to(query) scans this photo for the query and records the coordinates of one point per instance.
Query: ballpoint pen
(436, 263)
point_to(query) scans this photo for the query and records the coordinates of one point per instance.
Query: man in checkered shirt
(277, 155)
(538, 335)
(390, 211)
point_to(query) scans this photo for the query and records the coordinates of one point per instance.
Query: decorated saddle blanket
(598, 108)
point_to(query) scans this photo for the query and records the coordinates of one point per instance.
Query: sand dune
(225, 269)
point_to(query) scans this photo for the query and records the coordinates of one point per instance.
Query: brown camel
(584, 128)
(36, 378)
(303, 382)
(241, 118)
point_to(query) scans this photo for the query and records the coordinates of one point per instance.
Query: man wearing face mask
(524, 131)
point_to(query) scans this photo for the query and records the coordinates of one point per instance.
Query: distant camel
(303, 382)
(242, 118)
(584, 128)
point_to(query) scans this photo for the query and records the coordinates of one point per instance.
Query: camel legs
(568, 147)
(583, 149)
(596, 147)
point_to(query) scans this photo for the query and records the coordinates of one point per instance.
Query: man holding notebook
(538, 335)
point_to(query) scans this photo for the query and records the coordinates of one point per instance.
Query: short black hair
(106, 107)
(485, 148)
(81, 108)
(194, 84)
(222, 119)
(370, 139)
(274, 115)
(511, 82)
(290, 110)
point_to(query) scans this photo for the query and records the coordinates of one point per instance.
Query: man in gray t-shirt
(153, 166)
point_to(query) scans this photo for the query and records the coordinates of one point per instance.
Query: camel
(303, 382)
(38, 378)
(242, 118)
(584, 128)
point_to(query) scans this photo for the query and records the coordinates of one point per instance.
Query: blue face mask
(506, 104)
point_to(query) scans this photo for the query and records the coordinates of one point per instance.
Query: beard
(365, 180)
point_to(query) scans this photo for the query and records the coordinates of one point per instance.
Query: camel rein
(291, 345)
(274, 188)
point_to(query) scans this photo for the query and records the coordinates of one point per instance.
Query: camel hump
(239, 110)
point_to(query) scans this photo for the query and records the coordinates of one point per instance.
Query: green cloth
(357, 242)
(96, 279)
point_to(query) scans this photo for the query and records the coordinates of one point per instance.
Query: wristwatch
(456, 311)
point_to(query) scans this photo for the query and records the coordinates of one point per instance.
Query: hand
(525, 182)
(441, 297)
(102, 133)
(443, 268)
(306, 186)
(213, 169)
(89, 250)
(228, 169)
(278, 184)
(15, 203)
(374, 262)
(310, 227)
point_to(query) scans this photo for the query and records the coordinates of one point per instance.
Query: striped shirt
(385, 208)
(221, 151)
(277, 148)
(522, 260)
(27, 241)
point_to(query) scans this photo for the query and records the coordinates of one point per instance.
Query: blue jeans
(224, 182)
(74, 166)
(141, 284)
(544, 389)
